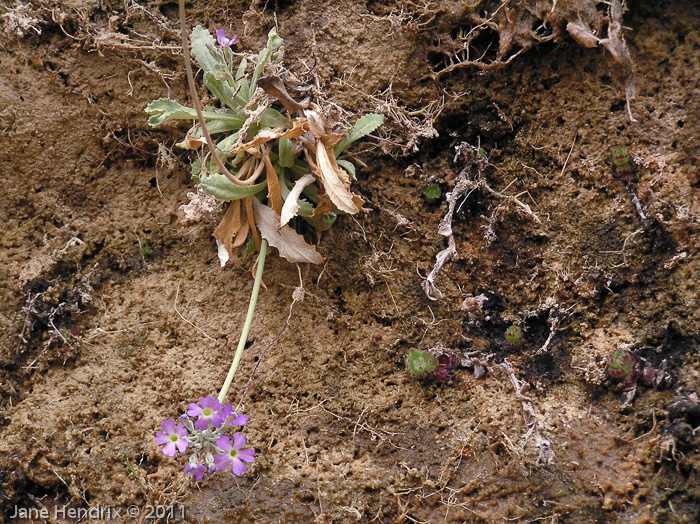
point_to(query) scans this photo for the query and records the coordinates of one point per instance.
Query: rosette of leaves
(629, 368)
(277, 164)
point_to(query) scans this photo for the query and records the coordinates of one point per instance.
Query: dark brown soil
(114, 315)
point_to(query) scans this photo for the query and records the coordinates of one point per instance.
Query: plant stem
(248, 321)
(195, 98)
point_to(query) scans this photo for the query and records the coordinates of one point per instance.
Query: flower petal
(238, 440)
(182, 445)
(211, 403)
(169, 449)
(201, 424)
(222, 461)
(238, 467)
(181, 431)
(197, 470)
(224, 443)
(247, 455)
(194, 410)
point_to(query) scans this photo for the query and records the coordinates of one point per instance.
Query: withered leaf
(324, 206)
(192, 141)
(333, 139)
(317, 124)
(274, 86)
(288, 242)
(291, 204)
(227, 230)
(267, 135)
(336, 182)
(274, 191)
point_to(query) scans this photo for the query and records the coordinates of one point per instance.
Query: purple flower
(208, 410)
(221, 38)
(173, 438)
(231, 418)
(233, 456)
(197, 470)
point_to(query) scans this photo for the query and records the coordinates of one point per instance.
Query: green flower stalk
(248, 322)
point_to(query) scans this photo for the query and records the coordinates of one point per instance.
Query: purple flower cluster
(202, 430)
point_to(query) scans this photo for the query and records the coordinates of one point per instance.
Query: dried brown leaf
(193, 142)
(267, 135)
(273, 86)
(324, 206)
(274, 191)
(336, 181)
(291, 204)
(317, 124)
(333, 139)
(248, 202)
(228, 229)
(289, 243)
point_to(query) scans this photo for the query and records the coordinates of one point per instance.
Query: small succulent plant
(423, 365)
(623, 167)
(631, 369)
(432, 193)
(514, 336)
(420, 363)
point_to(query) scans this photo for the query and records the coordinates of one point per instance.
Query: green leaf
(277, 57)
(262, 59)
(432, 193)
(299, 169)
(274, 42)
(348, 166)
(207, 58)
(362, 127)
(222, 188)
(286, 159)
(306, 208)
(227, 143)
(165, 109)
(273, 118)
(221, 126)
(244, 89)
(311, 192)
(222, 90)
(250, 247)
(240, 73)
(328, 220)
(196, 169)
